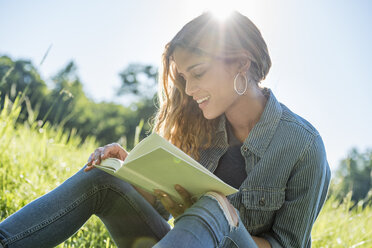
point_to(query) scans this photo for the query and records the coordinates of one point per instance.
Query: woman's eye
(182, 76)
(199, 75)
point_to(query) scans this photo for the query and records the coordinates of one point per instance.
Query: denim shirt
(287, 175)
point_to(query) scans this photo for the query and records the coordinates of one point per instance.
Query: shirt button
(245, 148)
(262, 202)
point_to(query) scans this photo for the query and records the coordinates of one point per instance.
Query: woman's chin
(209, 116)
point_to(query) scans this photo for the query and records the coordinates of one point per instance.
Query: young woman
(213, 108)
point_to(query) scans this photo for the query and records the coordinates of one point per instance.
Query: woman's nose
(190, 87)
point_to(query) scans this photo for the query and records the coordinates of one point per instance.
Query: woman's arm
(149, 197)
(305, 194)
(261, 242)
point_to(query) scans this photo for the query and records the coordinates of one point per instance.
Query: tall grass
(36, 157)
(338, 226)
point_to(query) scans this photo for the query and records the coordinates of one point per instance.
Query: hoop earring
(246, 84)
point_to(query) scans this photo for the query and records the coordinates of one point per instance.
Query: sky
(320, 51)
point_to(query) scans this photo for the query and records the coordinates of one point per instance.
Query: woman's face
(208, 81)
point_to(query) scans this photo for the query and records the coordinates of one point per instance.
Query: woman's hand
(174, 208)
(113, 150)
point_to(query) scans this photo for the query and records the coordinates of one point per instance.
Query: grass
(35, 158)
(337, 226)
(33, 161)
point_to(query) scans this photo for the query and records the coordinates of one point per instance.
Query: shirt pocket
(259, 206)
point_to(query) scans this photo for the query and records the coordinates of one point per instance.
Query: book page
(163, 170)
(155, 141)
(113, 164)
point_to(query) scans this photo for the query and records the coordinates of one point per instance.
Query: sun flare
(222, 11)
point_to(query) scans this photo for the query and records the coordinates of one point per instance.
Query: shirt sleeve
(305, 194)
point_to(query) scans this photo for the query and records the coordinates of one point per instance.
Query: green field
(36, 158)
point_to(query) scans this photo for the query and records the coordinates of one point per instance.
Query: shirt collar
(221, 124)
(262, 133)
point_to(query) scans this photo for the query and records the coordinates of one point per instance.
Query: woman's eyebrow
(190, 67)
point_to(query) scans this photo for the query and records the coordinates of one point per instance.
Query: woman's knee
(214, 210)
(229, 211)
(97, 178)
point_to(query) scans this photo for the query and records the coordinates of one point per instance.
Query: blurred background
(91, 67)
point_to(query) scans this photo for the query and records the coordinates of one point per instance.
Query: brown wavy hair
(179, 118)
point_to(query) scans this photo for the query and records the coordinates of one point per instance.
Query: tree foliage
(138, 80)
(22, 76)
(66, 105)
(354, 175)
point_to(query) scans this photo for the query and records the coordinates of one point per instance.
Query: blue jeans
(129, 218)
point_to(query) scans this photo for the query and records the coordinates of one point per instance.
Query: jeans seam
(227, 237)
(55, 217)
(2, 244)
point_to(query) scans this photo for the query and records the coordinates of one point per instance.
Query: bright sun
(221, 11)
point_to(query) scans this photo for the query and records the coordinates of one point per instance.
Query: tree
(66, 105)
(139, 81)
(22, 76)
(354, 175)
(71, 108)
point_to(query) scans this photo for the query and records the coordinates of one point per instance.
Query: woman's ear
(244, 62)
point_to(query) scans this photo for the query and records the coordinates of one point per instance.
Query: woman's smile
(202, 102)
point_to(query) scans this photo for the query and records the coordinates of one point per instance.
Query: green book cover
(155, 163)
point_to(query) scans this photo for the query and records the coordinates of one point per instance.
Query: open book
(155, 163)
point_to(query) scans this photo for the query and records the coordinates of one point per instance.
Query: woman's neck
(246, 112)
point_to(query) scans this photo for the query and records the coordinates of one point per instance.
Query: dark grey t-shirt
(231, 166)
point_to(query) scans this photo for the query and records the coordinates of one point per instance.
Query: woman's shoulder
(301, 138)
(296, 122)
(297, 134)
(287, 122)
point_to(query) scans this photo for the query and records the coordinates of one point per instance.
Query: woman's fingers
(186, 197)
(113, 150)
(106, 151)
(97, 156)
(167, 201)
(93, 159)
(90, 159)
(88, 168)
(89, 165)
(174, 208)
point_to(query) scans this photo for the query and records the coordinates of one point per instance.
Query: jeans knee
(214, 210)
(228, 210)
(97, 178)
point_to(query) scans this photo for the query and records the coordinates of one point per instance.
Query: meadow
(36, 157)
